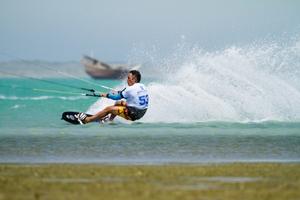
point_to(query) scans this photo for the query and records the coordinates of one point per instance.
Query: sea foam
(257, 82)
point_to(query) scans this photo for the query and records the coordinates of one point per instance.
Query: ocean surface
(240, 104)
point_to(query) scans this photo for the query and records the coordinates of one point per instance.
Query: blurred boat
(100, 70)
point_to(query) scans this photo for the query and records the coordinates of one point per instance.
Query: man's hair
(136, 74)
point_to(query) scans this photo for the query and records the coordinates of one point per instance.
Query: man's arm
(113, 96)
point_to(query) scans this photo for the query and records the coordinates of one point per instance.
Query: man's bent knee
(109, 108)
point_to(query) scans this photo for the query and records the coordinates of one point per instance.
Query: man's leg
(118, 103)
(99, 115)
(113, 110)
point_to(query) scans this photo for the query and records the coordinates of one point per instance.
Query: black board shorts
(135, 113)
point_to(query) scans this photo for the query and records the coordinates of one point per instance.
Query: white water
(254, 83)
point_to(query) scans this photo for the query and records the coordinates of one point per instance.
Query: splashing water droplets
(254, 83)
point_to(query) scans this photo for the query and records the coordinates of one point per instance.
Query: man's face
(131, 79)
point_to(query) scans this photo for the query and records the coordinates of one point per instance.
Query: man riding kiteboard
(133, 108)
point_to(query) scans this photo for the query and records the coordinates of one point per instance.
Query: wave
(258, 82)
(38, 98)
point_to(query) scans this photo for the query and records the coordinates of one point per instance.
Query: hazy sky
(62, 30)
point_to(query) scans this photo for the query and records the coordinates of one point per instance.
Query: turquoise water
(240, 104)
(34, 103)
(32, 132)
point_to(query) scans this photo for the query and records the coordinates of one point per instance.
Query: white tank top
(136, 96)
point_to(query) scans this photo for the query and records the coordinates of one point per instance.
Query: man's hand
(120, 103)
